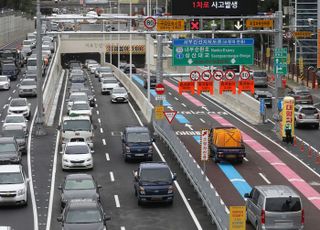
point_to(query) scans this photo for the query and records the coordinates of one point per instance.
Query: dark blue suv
(154, 183)
(137, 143)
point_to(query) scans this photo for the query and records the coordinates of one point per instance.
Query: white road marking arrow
(170, 107)
(189, 126)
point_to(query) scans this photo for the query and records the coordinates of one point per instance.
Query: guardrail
(210, 197)
(52, 79)
(145, 106)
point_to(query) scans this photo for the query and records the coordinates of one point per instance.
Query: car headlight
(170, 189)
(21, 192)
(89, 159)
(141, 190)
(150, 149)
(88, 139)
(65, 160)
(127, 149)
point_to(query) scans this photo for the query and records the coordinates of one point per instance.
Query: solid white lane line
(107, 157)
(202, 120)
(191, 212)
(98, 112)
(111, 176)
(116, 200)
(101, 130)
(104, 141)
(265, 178)
(176, 98)
(183, 104)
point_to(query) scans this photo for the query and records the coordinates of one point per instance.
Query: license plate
(156, 198)
(230, 156)
(139, 155)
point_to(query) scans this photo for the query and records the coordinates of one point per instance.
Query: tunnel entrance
(65, 58)
(138, 60)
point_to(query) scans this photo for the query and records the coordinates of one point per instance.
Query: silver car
(28, 87)
(119, 94)
(4, 82)
(260, 78)
(274, 207)
(306, 115)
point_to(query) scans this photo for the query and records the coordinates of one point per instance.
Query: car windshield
(88, 215)
(7, 147)
(14, 119)
(11, 178)
(81, 149)
(3, 78)
(18, 103)
(78, 97)
(28, 83)
(91, 62)
(138, 137)
(75, 64)
(83, 106)
(260, 74)
(155, 174)
(18, 133)
(283, 204)
(32, 62)
(105, 69)
(8, 66)
(119, 90)
(309, 111)
(303, 93)
(79, 184)
(77, 125)
(113, 81)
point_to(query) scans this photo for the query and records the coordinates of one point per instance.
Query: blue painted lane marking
(137, 79)
(153, 92)
(181, 119)
(236, 179)
(164, 103)
(197, 139)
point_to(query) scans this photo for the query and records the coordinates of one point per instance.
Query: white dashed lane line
(202, 120)
(111, 176)
(9, 98)
(176, 98)
(246, 159)
(104, 141)
(14, 91)
(183, 104)
(5, 106)
(98, 112)
(107, 157)
(122, 228)
(99, 120)
(116, 199)
(264, 178)
(96, 105)
(101, 130)
(169, 93)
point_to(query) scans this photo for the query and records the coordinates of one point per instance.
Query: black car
(267, 96)
(126, 69)
(77, 78)
(154, 183)
(153, 82)
(137, 143)
(83, 215)
(74, 64)
(78, 186)
(9, 151)
(20, 135)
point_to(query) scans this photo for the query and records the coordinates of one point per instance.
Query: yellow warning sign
(256, 23)
(158, 111)
(302, 34)
(170, 25)
(237, 218)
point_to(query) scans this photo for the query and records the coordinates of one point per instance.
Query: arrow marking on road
(189, 126)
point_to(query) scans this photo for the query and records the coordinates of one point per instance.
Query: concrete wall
(14, 28)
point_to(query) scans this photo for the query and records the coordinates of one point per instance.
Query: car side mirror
(174, 177)
(28, 180)
(247, 195)
(59, 218)
(67, 100)
(99, 186)
(60, 187)
(92, 151)
(29, 104)
(106, 217)
(135, 174)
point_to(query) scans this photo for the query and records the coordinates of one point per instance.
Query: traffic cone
(302, 147)
(318, 159)
(294, 141)
(309, 151)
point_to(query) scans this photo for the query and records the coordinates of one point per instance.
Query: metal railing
(209, 196)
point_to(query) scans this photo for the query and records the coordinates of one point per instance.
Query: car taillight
(263, 217)
(300, 116)
(317, 116)
(302, 216)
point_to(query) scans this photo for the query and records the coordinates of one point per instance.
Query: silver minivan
(260, 78)
(274, 207)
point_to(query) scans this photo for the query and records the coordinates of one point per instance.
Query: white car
(93, 67)
(4, 82)
(80, 108)
(14, 120)
(107, 84)
(28, 87)
(77, 155)
(119, 94)
(20, 106)
(76, 96)
(13, 185)
(89, 62)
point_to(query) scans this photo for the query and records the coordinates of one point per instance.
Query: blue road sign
(262, 106)
(279, 103)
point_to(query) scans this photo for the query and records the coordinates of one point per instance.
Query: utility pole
(318, 35)
(159, 70)
(39, 129)
(277, 44)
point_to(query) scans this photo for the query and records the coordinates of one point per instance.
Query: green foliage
(21, 5)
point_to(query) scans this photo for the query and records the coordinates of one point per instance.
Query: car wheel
(216, 160)
(29, 116)
(316, 126)
(170, 203)
(135, 192)
(139, 202)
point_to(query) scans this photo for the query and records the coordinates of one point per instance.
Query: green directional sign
(280, 61)
(213, 51)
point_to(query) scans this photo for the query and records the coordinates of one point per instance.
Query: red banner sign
(186, 86)
(205, 86)
(228, 85)
(246, 85)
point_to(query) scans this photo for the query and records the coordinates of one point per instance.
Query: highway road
(264, 152)
(116, 176)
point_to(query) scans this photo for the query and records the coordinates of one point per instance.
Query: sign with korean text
(302, 34)
(205, 86)
(280, 61)
(170, 25)
(158, 111)
(214, 8)
(212, 51)
(246, 85)
(237, 218)
(186, 86)
(318, 50)
(228, 85)
(204, 144)
(287, 116)
(259, 23)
